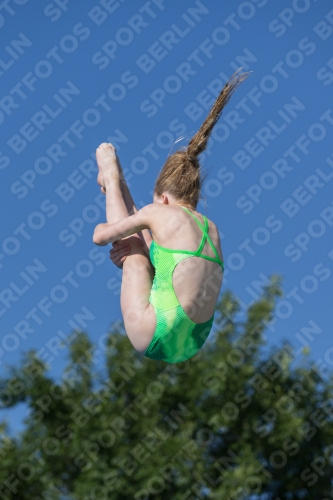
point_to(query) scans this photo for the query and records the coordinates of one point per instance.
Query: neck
(187, 205)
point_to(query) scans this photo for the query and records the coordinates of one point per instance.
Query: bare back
(196, 281)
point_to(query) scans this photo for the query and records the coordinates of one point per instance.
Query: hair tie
(190, 158)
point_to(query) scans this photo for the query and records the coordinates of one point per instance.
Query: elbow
(98, 237)
(95, 239)
(99, 241)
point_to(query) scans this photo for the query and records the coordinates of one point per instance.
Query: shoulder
(147, 213)
(214, 230)
(215, 235)
(160, 218)
(212, 227)
(154, 210)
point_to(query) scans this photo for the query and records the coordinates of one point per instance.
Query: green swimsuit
(176, 337)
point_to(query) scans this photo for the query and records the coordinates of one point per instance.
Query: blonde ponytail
(181, 173)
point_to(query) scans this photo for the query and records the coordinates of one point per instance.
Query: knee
(137, 246)
(138, 261)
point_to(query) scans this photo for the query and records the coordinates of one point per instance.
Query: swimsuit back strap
(205, 235)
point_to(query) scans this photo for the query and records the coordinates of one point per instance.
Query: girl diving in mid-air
(172, 279)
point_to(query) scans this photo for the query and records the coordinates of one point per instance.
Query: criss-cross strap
(205, 236)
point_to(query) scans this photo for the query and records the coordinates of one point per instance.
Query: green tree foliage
(234, 422)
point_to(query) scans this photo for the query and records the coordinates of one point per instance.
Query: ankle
(110, 178)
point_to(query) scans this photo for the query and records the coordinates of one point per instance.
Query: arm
(144, 235)
(130, 205)
(108, 233)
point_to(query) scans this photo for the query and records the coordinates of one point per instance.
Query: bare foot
(107, 164)
(109, 168)
(100, 179)
(100, 182)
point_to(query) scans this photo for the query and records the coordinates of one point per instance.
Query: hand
(119, 252)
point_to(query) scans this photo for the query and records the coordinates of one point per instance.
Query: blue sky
(143, 74)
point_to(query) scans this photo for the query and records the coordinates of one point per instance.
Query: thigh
(138, 313)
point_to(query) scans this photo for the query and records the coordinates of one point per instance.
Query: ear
(165, 199)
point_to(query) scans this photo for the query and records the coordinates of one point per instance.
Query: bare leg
(129, 202)
(126, 192)
(130, 205)
(138, 314)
